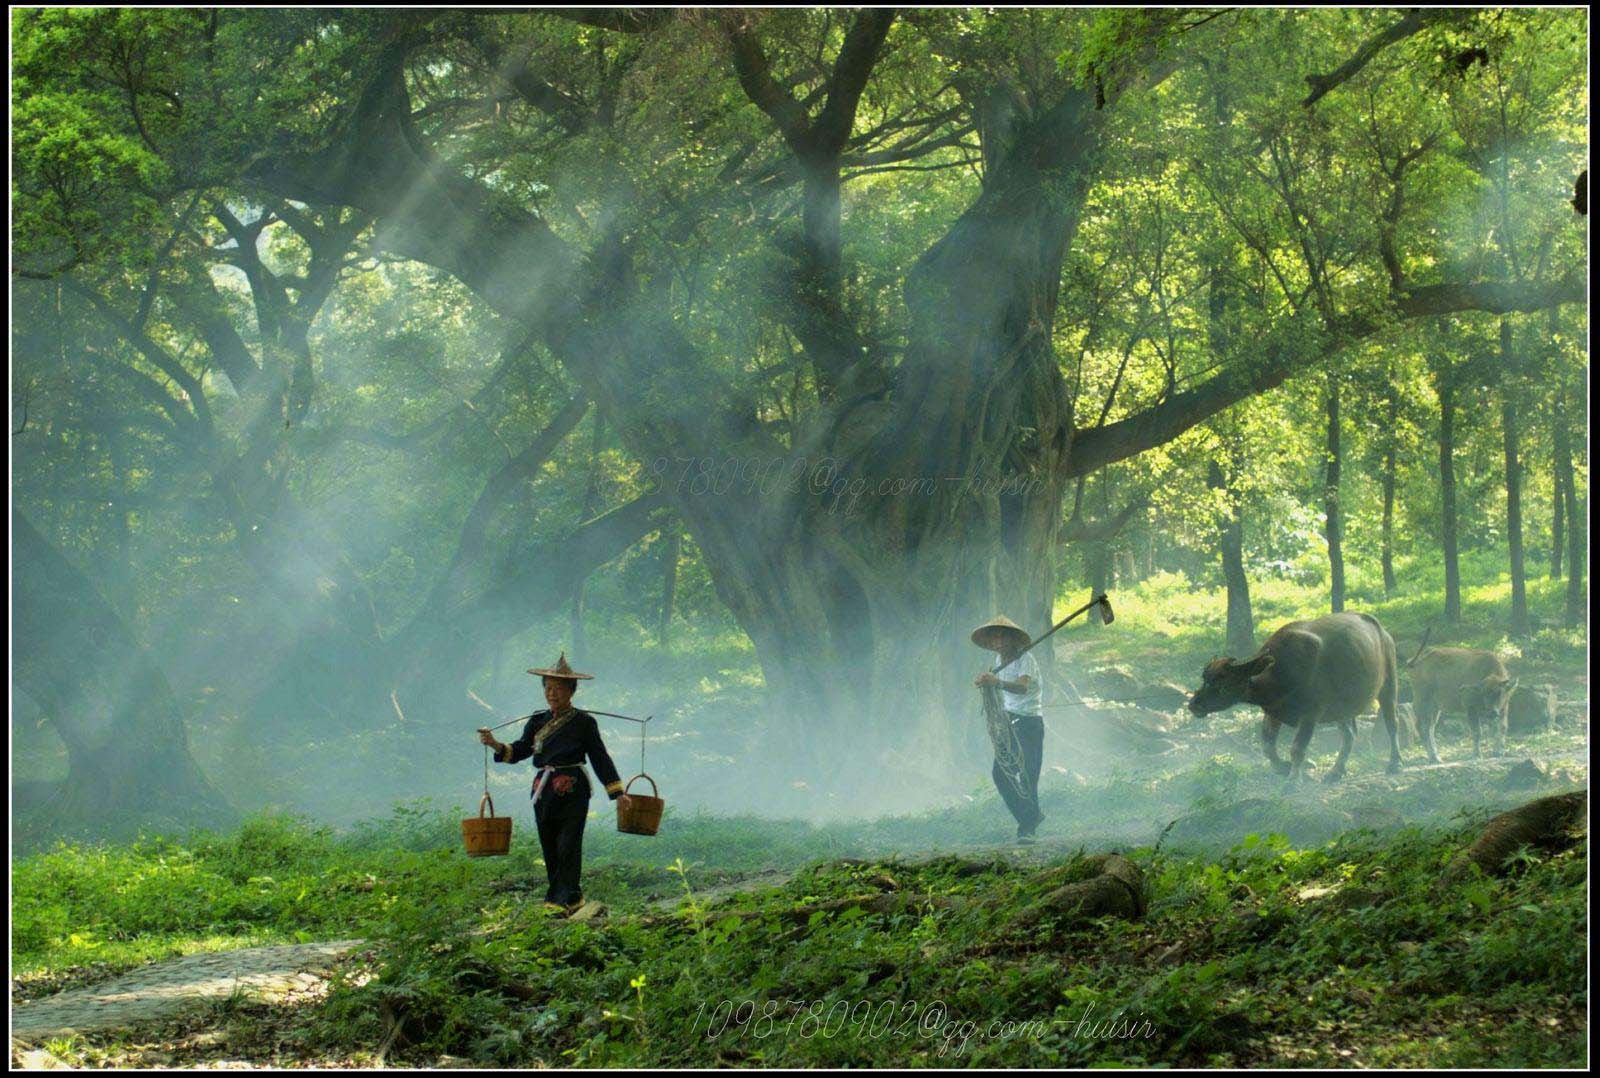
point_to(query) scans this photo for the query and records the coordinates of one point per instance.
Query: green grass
(1413, 972)
(1262, 972)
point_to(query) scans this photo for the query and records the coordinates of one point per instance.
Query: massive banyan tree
(923, 487)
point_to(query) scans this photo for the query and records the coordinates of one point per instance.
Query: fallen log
(1550, 824)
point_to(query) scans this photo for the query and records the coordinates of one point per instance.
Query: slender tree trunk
(1333, 517)
(1560, 452)
(1447, 494)
(1098, 564)
(579, 642)
(1388, 494)
(122, 570)
(1575, 607)
(1519, 590)
(1509, 427)
(1558, 499)
(1241, 623)
(671, 550)
(129, 765)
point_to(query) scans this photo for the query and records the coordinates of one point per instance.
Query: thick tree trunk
(930, 512)
(1447, 496)
(1333, 519)
(129, 765)
(1391, 439)
(1509, 427)
(121, 575)
(1241, 637)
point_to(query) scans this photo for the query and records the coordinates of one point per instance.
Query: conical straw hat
(1002, 622)
(561, 669)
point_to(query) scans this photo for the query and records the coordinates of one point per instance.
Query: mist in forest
(750, 361)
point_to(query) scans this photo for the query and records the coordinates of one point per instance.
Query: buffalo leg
(1347, 732)
(1306, 726)
(1386, 708)
(1269, 741)
(1427, 718)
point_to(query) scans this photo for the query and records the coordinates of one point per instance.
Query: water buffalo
(1326, 670)
(1474, 681)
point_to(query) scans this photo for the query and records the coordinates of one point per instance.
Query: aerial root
(1116, 890)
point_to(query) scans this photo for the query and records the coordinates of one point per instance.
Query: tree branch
(622, 20)
(851, 69)
(1098, 531)
(1415, 21)
(205, 309)
(501, 489)
(754, 72)
(1129, 437)
(567, 111)
(163, 360)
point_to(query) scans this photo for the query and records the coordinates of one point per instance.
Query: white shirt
(1021, 703)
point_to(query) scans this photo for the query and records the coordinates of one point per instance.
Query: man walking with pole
(1014, 708)
(1018, 757)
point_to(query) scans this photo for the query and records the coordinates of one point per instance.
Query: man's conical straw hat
(1001, 622)
(561, 669)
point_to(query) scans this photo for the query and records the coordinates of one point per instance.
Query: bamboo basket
(642, 815)
(487, 836)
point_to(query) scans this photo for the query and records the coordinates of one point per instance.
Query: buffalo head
(1225, 683)
(1489, 699)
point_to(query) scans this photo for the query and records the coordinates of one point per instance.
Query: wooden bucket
(642, 815)
(486, 836)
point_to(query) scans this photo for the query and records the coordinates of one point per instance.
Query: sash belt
(544, 774)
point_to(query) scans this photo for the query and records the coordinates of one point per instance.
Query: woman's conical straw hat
(561, 669)
(1001, 622)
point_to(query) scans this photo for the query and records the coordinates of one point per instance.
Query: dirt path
(162, 989)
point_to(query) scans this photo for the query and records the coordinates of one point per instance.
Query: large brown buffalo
(1326, 670)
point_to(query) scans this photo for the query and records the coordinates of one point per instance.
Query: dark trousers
(1024, 803)
(561, 839)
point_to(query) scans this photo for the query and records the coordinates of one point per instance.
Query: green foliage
(274, 879)
(1239, 955)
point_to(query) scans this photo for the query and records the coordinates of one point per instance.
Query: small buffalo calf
(1468, 680)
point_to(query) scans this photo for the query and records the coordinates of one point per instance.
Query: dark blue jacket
(577, 738)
